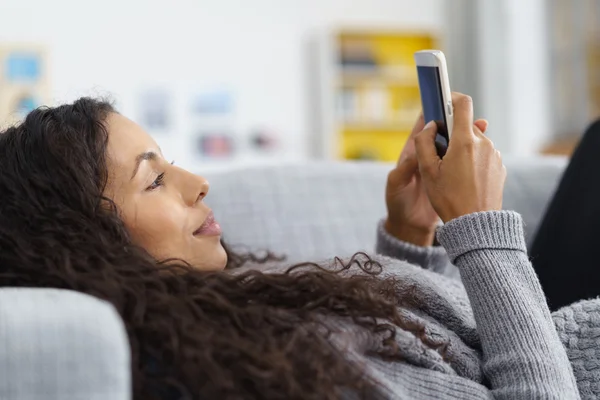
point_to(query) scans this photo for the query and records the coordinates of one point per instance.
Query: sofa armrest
(61, 345)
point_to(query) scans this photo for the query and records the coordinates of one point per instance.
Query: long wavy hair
(193, 334)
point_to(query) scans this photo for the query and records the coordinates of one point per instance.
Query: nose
(194, 188)
(203, 187)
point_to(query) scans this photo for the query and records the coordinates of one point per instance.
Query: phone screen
(433, 104)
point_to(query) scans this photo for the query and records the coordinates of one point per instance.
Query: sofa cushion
(318, 210)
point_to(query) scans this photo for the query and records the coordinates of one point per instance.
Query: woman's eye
(157, 183)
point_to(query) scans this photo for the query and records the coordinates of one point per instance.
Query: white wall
(529, 102)
(514, 73)
(498, 52)
(256, 47)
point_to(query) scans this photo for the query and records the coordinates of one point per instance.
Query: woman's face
(161, 205)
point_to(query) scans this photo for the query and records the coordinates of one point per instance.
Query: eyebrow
(147, 156)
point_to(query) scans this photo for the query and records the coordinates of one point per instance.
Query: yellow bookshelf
(375, 91)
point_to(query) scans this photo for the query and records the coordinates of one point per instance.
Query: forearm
(433, 258)
(523, 357)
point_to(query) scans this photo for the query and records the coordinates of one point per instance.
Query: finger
(483, 137)
(407, 151)
(480, 133)
(409, 147)
(463, 117)
(418, 126)
(482, 124)
(425, 146)
(405, 170)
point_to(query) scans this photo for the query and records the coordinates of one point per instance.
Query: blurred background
(268, 81)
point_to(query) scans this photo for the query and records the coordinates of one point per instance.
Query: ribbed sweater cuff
(390, 246)
(482, 230)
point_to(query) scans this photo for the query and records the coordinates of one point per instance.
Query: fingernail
(430, 124)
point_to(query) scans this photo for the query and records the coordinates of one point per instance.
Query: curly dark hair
(198, 334)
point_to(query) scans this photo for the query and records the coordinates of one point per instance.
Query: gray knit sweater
(479, 294)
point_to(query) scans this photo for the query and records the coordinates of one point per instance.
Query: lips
(210, 227)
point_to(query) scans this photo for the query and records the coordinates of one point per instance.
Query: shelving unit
(368, 92)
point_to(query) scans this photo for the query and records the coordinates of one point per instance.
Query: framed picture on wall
(24, 81)
(154, 108)
(215, 144)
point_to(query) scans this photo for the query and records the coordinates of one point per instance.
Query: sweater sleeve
(523, 356)
(433, 258)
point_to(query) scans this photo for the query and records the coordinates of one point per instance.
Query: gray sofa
(318, 210)
(61, 345)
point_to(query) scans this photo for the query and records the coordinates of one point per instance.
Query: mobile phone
(436, 97)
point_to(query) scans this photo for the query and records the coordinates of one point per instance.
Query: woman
(88, 202)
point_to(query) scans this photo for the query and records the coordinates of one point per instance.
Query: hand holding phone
(436, 97)
(470, 178)
(411, 217)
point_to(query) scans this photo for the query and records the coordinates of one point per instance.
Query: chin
(216, 262)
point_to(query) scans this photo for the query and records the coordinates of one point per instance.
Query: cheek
(156, 227)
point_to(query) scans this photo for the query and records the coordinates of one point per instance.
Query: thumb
(425, 145)
(405, 170)
(482, 124)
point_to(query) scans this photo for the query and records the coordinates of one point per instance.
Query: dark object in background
(263, 140)
(564, 252)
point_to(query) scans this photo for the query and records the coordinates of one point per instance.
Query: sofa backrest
(318, 210)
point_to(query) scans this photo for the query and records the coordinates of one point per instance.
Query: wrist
(418, 236)
(455, 214)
